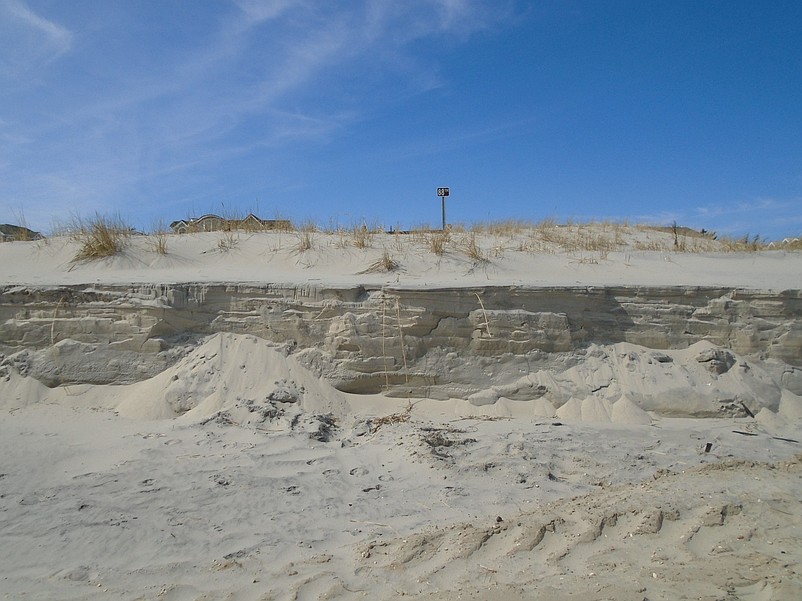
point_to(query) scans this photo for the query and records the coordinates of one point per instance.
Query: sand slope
(98, 506)
(225, 372)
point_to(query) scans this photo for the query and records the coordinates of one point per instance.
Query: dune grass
(157, 240)
(437, 241)
(99, 237)
(745, 243)
(385, 264)
(306, 236)
(473, 250)
(107, 235)
(599, 238)
(362, 236)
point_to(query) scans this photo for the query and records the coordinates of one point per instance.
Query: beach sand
(237, 473)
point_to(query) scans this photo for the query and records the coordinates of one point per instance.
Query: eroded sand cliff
(675, 350)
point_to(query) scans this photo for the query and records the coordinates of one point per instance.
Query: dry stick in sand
(376, 524)
(53, 342)
(384, 344)
(53, 323)
(384, 354)
(401, 336)
(487, 323)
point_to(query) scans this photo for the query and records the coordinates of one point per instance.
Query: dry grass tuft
(386, 264)
(420, 234)
(548, 231)
(362, 236)
(228, 240)
(473, 250)
(159, 243)
(746, 243)
(508, 229)
(306, 236)
(651, 245)
(600, 238)
(158, 239)
(101, 236)
(398, 239)
(436, 241)
(599, 242)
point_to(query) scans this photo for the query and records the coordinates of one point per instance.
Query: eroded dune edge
(376, 439)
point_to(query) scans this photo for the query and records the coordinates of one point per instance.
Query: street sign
(442, 193)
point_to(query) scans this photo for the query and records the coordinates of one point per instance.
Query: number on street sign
(442, 191)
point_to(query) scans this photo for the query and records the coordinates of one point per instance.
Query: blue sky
(351, 110)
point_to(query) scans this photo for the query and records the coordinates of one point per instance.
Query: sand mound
(17, 390)
(608, 383)
(597, 410)
(225, 372)
(626, 412)
(702, 380)
(621, 382)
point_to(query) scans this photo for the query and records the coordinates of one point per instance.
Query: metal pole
(444, 213)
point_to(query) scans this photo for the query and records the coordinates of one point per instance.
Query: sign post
(442, 193)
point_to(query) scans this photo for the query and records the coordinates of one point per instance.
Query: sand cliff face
(475, 343)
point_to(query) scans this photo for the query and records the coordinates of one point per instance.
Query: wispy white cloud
(757, 216)
(302, 57)
(56, 36)
(661, 218)
(257, 11)
(757, 205)
(30, 39)
(257, 77)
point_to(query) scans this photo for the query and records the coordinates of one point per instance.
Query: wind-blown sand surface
(594, 257)
(236, 473)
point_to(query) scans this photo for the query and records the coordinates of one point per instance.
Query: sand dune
(596, 255)
(229, 466)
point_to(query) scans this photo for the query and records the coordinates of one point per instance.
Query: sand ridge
(515, 258)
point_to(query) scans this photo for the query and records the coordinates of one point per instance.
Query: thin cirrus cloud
(253, 77)
(30, 40)
(745, 216)
(168, 107)
(731, 218)
(118, 110)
